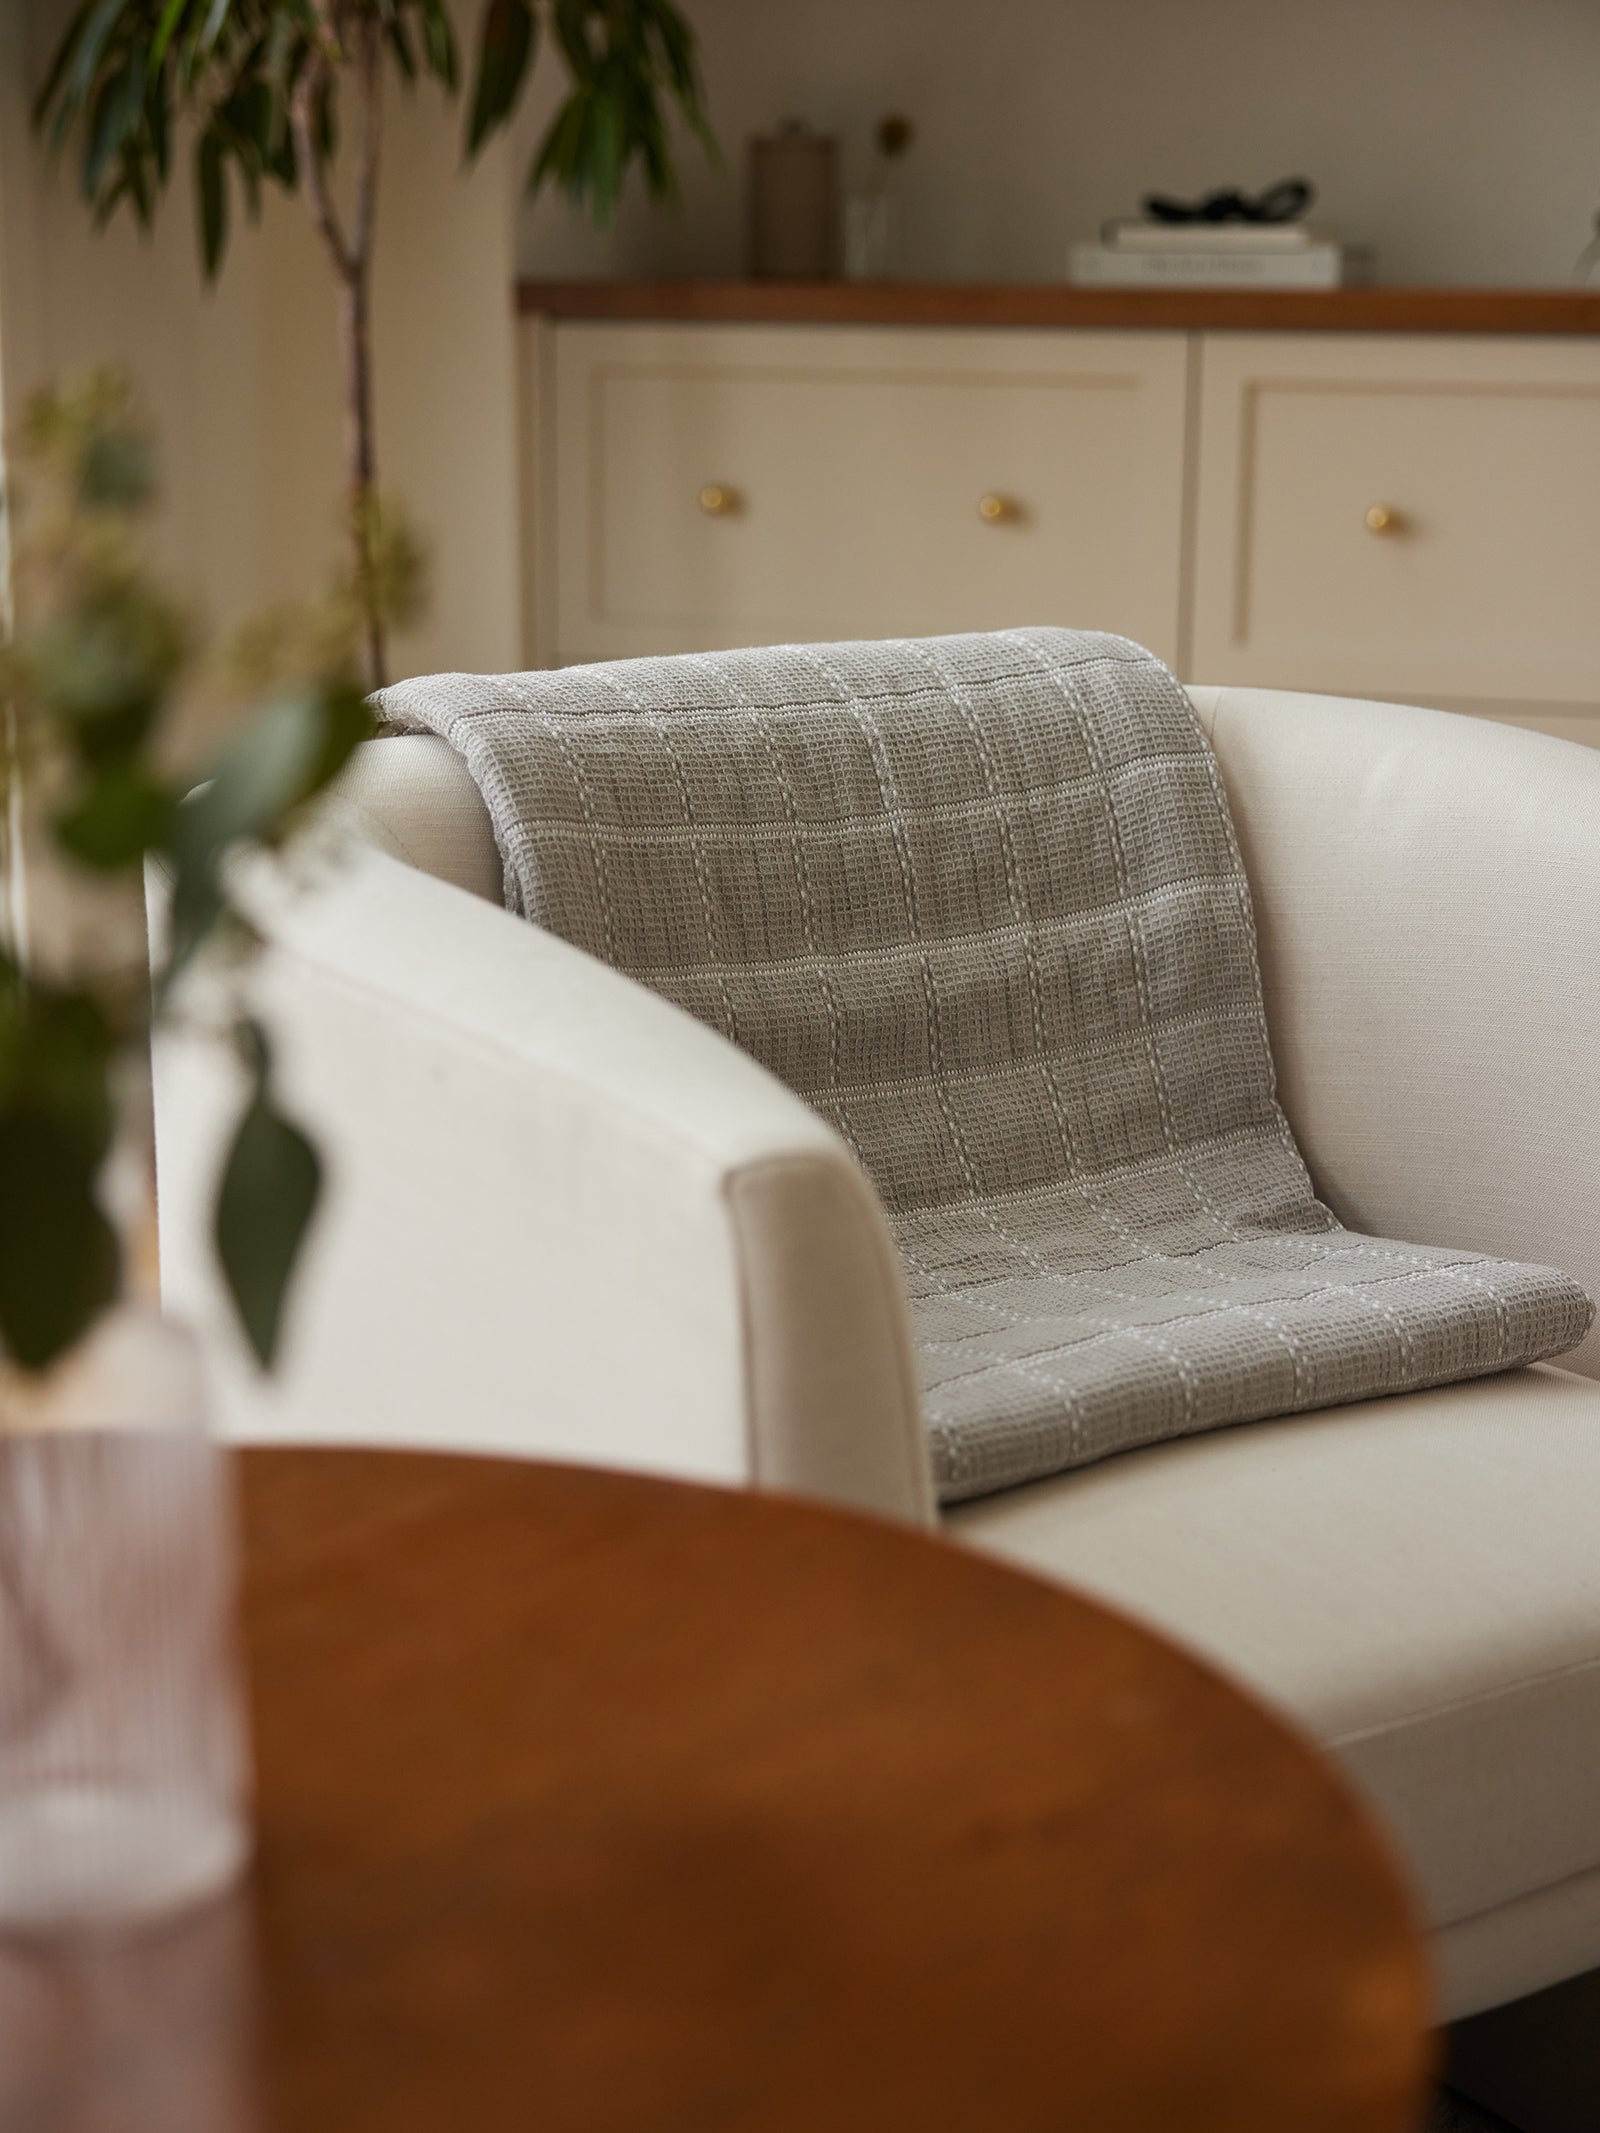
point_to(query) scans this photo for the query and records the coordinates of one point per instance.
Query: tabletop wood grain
(590, 1803)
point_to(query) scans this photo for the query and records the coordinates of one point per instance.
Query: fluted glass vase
(123, 1771)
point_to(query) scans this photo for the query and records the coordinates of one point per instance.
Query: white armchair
(521, 1139)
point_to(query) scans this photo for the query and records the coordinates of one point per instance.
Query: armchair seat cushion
(1417, 1582)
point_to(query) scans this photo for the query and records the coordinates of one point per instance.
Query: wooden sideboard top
(933, 303)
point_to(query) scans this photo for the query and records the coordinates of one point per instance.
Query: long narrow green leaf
(439, 44)
(117, 115)
(211, 195)
(86, 61)
(135, 182)
(571, 22)
(557, 157)
(505, 49)
(171, 15)
(216, 22)
(120, 189)
(158, 123)
(608, 153)
(70, 41)
(400, 45)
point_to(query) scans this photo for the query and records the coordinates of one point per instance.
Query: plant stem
(351, 255)
(354, 328)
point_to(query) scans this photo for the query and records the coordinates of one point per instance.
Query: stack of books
(1219, 255)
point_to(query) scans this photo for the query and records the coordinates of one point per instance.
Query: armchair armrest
(1427, 893)
(561, 1216)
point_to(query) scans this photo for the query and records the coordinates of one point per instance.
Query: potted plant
(269, 88)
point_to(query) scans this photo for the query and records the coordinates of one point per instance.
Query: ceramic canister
(794, 204)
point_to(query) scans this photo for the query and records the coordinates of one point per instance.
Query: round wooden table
(595, 1802)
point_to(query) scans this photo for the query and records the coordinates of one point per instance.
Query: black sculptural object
(1286, 201)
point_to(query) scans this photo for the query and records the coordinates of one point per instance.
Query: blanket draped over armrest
(979, 901)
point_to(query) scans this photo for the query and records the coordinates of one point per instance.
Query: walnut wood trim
(911, 303)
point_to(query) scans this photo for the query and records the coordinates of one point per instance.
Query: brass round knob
(1382, 518)
(717, 500)
(996, 510)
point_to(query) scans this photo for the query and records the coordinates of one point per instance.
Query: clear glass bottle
(123, 1763)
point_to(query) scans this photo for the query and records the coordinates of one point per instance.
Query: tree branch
(368, 128)
(302, 120)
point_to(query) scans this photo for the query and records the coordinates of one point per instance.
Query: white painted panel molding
(726, 485)
(1402, 517)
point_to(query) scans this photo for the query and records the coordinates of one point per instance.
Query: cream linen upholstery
(519, 1139)
(1417, 1581)
(1427, 893)
(1418, 1578)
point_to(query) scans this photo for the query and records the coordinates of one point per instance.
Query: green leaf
(171, 16)
(286, 755)
(572, 35)
(117, 115)
(71, 38)
(677, 46)
(86, 59)
(278, 761)
(400, 45)
(559, 155)
(252, 116)
(505, 48)
(158, 123)
(123, 814)
(609, 151)
(58, 1253)
(269, 1192)
(212, 197)
(55, 1056)
(135, 184)
(216, 22)
(627, 60)
(439, 44)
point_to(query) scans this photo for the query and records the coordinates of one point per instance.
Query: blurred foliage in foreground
(89, 689)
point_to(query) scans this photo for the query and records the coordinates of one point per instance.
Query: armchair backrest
(1427, 893)
(1427, 896)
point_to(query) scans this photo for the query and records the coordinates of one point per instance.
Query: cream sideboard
(1414, 516)
(724, 485)
(1399, 516)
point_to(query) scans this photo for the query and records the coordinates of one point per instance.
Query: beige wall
(1462, 137)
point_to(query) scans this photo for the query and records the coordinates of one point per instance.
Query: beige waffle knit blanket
(978, 900)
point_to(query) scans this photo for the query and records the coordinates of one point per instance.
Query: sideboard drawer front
(727, 486)
(1400, 517)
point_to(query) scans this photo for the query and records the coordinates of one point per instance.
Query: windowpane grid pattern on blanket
(978, 900)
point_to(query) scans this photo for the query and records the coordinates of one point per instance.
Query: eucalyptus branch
(96, 665)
